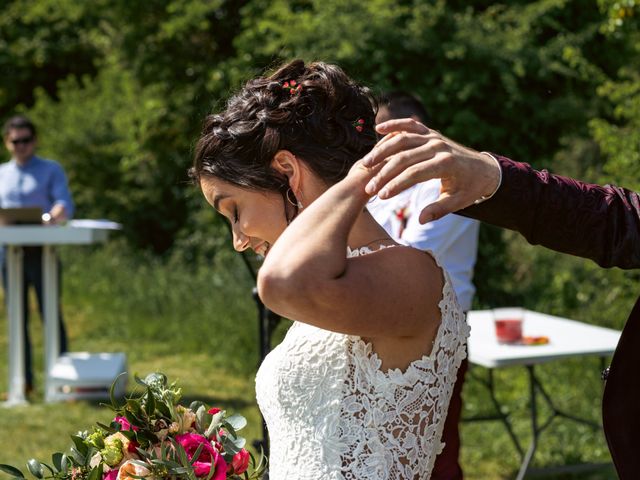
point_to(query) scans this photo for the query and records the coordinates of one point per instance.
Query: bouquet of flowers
(153, 437)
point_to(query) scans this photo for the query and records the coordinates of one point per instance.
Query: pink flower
(208, 456)
(124, 424)
(110, 475)
(213, 410)
(240, 462)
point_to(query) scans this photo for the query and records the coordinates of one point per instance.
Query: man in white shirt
(454, 242)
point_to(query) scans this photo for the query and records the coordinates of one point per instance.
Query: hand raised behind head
(411, 153)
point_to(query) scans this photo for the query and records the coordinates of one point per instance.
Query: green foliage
(167, 439)
(40, 43)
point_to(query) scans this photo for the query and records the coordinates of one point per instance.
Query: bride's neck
(367, 232)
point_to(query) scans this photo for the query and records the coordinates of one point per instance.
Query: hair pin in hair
(359, 124)
(292, 86)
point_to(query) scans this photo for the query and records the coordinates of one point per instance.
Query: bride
(359, 387)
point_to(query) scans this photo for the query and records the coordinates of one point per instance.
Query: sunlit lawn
(199, 327)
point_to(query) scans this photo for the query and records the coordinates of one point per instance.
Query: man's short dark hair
(16, 122)
(403, 105)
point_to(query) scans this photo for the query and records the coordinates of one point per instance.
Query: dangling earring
(295, 202)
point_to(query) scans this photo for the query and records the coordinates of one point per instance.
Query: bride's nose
(240, 240)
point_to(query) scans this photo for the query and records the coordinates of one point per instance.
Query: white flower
(185, 419)
(95, 460)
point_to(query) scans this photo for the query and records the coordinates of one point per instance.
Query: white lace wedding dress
(332, 414)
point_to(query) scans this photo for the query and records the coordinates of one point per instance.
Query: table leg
(50, 310)
(535, 387)
(535, 431)
(15, 286)
(499, 415)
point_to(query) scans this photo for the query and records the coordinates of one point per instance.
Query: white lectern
(15, 237)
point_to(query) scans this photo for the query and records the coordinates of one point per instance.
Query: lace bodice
(333, 414)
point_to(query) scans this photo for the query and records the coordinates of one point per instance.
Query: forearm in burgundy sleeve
(591, 221)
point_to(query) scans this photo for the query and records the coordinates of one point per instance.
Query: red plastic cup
(508, 322)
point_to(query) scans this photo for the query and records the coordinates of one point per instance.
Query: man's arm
(63, 207)
(592, 221)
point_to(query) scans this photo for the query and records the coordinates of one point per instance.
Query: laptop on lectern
(21, 216)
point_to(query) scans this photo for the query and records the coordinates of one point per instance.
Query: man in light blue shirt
(30, 181)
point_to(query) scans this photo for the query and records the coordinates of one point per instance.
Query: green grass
(198, 325)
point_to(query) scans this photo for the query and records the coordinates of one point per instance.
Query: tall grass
(144, 304)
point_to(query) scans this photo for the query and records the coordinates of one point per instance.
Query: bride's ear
(288, 165)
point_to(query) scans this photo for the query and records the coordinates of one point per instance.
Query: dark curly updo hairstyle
(314, 111)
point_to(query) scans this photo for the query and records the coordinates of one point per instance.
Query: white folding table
(567, 338)
(15, 237)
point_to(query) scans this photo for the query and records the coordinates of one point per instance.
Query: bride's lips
(262, 249)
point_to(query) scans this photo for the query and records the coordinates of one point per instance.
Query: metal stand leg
(51, 319)
(534, 426)
(15, 287)
(267, 321)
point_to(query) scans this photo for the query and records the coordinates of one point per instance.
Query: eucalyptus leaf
(232, 431)
(239, 442)
(150, 402)
(11, 470)
(80, 445)
(48, 467)
(201, 416)
(77, 456)
(35, 467)
(229, 447)
(238, 422)
(65, 463)
(216, 421)
(56, 459)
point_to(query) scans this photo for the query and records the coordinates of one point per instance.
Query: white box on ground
(83, 375)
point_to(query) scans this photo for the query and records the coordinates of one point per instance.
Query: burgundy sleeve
(591, 221)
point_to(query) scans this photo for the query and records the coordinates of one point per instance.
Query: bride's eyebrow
(217, 199)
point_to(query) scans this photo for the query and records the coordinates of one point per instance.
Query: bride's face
(257, 218)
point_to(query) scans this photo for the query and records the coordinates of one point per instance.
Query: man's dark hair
(16, 122)
(403, 105)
